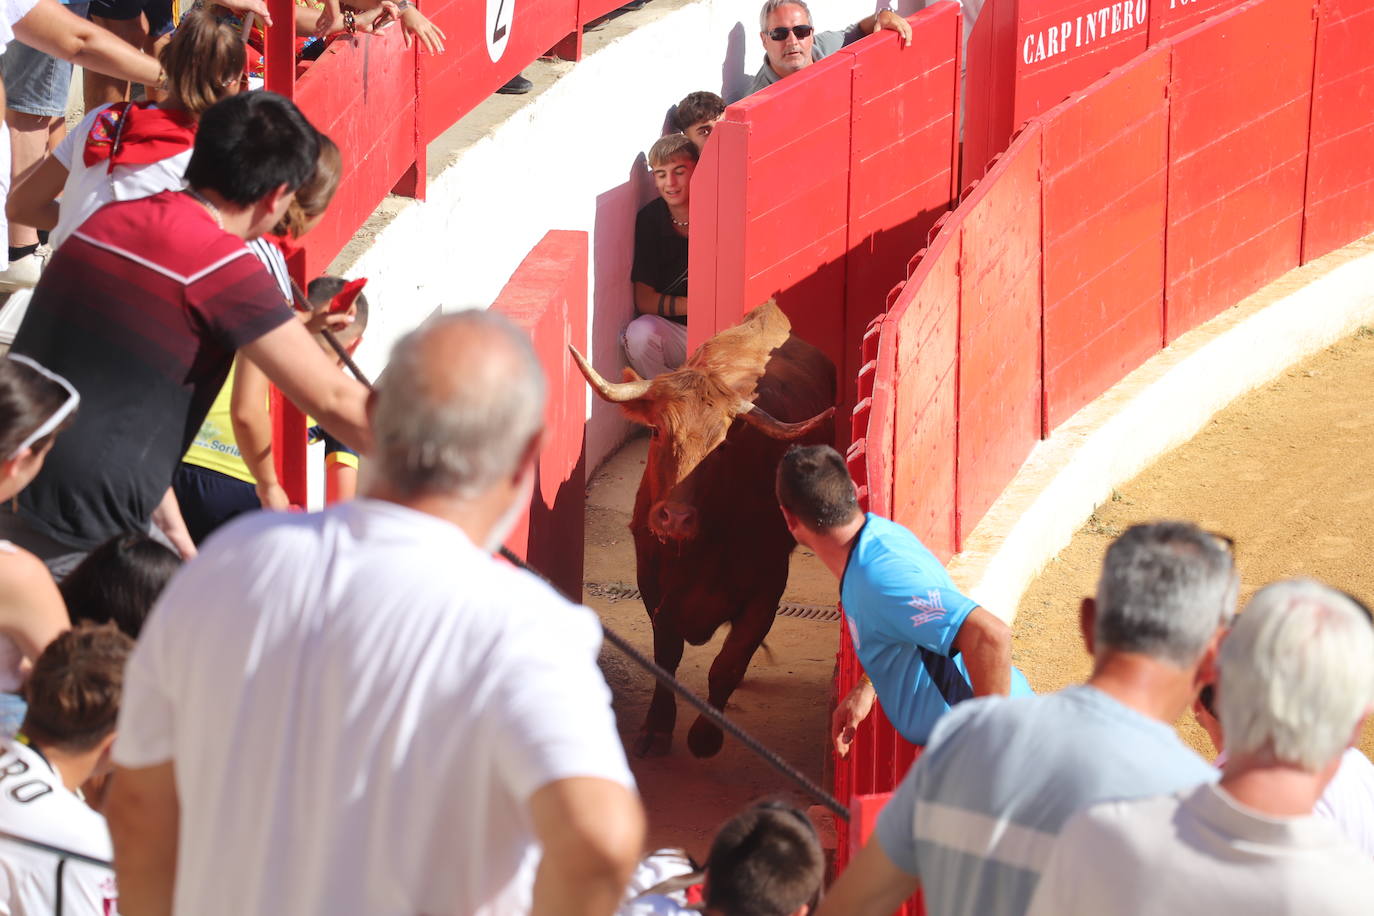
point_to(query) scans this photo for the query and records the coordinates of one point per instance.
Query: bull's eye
(653, 432)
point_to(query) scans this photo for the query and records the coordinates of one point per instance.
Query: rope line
(660, 674)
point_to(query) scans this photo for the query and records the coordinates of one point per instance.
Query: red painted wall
(1340, 169)
(816, 190)
(547, 296)
(999, 328)
(1240, 99)
(1104, 160)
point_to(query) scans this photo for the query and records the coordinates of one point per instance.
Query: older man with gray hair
(360, 710)
(976, 817)
(1296, 684)
(790, 42)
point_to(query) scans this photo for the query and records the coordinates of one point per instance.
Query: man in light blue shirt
(975, 818)
(924, 645)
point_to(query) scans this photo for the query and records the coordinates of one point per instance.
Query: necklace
(209, 207)
(678, 222)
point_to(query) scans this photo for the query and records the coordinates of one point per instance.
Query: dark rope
(660, 674)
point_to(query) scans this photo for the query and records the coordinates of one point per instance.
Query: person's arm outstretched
(871, 886)
(292, 361)
(592, 834)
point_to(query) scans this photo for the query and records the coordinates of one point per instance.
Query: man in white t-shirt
(73, 696)
(361, 711)
(1295, 686)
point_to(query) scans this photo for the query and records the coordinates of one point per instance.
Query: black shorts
(159, 12)
(208, 498)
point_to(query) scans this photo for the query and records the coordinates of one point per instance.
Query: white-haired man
(361, 711)
(1295, 686)
(790, 42)
(975, 819)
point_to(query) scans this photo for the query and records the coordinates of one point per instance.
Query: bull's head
(690, 410)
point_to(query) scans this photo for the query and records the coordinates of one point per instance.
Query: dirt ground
(784, 699)
(1285, 470)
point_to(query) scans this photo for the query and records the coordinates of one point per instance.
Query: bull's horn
(770, 426)
(615, 392)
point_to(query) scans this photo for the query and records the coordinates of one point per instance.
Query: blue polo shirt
(904, 612)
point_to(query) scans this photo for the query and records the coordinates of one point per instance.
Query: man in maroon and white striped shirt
(143, 309)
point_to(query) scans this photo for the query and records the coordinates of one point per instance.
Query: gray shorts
(37, 83)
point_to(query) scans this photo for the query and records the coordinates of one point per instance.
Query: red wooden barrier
(362, 94)
(1026, 56)
(926, 378)
(815, 189)
(1340, 171)
(1172, 17)
(547, 295)
(1105, 153)
(489, 41)
(999, 328)
(1240, 97)
(903, 116)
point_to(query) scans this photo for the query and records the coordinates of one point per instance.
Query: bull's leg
(744, 639)
(656, 735)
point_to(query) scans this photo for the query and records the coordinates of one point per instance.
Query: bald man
(361, 711)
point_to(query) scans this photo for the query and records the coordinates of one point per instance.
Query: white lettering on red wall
(1088, 29)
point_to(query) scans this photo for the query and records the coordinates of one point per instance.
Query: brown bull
(710, 543)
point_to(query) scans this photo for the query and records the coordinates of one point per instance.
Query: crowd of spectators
(363, 711)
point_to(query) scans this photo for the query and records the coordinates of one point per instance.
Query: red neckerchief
(285, 244)
(135, 133)
(343, 300)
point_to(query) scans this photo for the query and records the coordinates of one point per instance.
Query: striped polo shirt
(977, 814)
(141, 309)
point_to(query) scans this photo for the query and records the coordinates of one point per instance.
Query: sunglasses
(59, 415)
(780, 33)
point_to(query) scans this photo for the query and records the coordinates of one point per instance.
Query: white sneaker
(21, 274)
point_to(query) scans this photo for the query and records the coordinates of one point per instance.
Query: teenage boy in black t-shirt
(656, 341)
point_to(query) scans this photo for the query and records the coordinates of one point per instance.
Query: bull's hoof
(653, 744)
(705, 739)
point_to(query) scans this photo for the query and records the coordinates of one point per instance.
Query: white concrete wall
(570, 159)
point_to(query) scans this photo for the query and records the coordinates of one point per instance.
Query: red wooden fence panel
(361, 93)
(1057, 46)
(1172, 17)
(781, 199)
(999, 328)
(547, 295)
(925, 320)
(1340, 170)
(902, 160)
(1105, 156)
(1240, 99)
(489, 41)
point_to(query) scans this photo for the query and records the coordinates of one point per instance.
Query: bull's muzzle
(673, 521)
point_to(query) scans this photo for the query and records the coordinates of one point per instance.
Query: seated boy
(696, 116)
(656, 341)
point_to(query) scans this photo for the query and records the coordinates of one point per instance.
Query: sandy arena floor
(1285, 470)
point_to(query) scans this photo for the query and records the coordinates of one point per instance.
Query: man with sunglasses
(974, 821)
(791, 42)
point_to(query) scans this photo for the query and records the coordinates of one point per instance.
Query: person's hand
(322, 318)
(415, 23)
(331, 19)
(851, 711)
(257, 7)
(273, 497)
(891, 21)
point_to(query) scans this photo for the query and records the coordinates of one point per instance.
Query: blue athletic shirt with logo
(904, 612)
